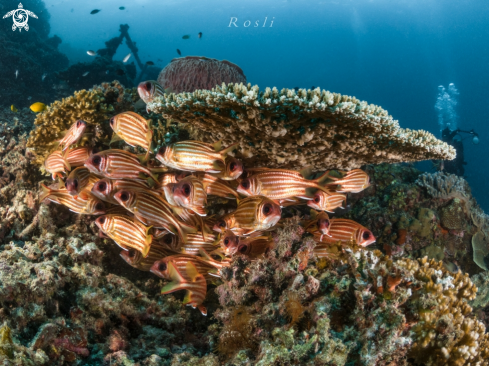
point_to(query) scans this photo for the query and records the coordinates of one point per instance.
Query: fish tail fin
(228, 149)
(321, 181)
(45, 192)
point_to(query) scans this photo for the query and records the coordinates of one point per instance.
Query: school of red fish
(157, 215)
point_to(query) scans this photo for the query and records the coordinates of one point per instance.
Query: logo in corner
(20, 17)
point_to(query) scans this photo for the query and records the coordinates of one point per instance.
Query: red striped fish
(190, 193)
(157, 251)
(118, 164)
(56, 164)
(252, 246)
(319, 224)
(151, 209)
(106, 188)
(190, 280)
(78, 156)
(209, 269)
(195, 243)
(85, 204)
(234, 169)
(149, 90)
(126, 232)
(354, 181)
(216, 187)
(327, 201)
(194, 156)
(73, 134)
(256, 213)
(77, 180)
(133, 129)
(279, 184)
(345, 231)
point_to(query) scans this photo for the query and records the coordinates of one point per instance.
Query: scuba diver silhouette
(456, 166)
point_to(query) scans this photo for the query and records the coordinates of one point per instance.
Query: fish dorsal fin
(217, 145)
(205, 255)
(191, 271)
(229, 149)
(306, 172)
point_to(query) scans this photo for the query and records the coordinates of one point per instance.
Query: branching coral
(308, 127)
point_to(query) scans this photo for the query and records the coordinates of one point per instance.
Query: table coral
(307, 127)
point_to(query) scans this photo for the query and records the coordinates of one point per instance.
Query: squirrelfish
(133, 129)
(190, 280)
(78, 156)
(216, 187)
(117, 164)
(354, 181)
(190, 193)
(256, 213)
(345, 230)
(149, 90)
(327, 201)
(56, 163)
(279, 184)
(85, 204)
(106, 188)
(194, 156)
(253, 246)
(38, 107)
(319, 224)
(207, 268)
(153, 210)
(157, 251)
(126, 232)
(73, 135)
(80, 179)
(195, 243)
(234, 169)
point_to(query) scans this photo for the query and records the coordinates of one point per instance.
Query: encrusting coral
(290, 129)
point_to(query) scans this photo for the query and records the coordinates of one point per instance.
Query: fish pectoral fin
(115, 138)
(175, 275)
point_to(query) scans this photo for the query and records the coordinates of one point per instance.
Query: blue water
(391, 53)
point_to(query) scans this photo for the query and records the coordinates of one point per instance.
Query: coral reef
(307, 127)
(94, 106)
(33, 54)
(191, 73)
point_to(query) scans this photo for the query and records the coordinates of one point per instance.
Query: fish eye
(124, 196)
(186, 190)
(96, 160)
(79, 123)
(101, 186)
(112, 120)
(366, 235)
(167, 239)
(99, 206)
(243, 248)
(245, 183)
(162, 150)
(101, 220)
(222, 223)
(75, 183)
(233, 166)
(226, 242)
(162, 266)
(324, 222)
(317, 199)
(132, 253)
(267, 209)
(147, 86)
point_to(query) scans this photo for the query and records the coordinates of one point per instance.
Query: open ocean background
(393, 53)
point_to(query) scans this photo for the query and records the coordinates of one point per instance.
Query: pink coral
(191, 73)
